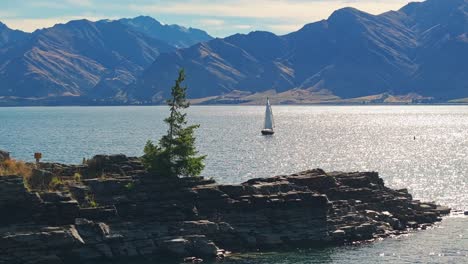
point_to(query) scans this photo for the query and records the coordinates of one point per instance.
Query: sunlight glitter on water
(434, 166)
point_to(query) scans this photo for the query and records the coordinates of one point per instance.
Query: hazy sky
(219, 17)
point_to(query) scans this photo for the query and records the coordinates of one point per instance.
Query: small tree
(175, 155)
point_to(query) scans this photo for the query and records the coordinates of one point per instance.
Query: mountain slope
(8, 36)
(72, 58)
(351, 54)
(95, 60)
(218, 66)
(442, 26)
(175, 35)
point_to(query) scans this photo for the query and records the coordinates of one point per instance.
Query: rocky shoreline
(112, 208)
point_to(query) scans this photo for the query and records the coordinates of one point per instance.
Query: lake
(422, 148)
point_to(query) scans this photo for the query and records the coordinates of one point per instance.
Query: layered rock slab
(134, 214)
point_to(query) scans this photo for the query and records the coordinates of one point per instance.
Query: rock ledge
(126, 212)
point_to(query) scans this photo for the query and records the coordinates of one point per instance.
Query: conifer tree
(175, 154)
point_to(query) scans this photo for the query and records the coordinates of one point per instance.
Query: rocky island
(111, 207)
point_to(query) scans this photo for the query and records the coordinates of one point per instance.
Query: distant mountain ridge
(174, 35)
(417, 49)
(8, 36)
(82, 58)
(415, 54)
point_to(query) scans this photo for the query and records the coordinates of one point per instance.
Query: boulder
(202, 247)
(177, 246)
(442, 210)
(338, 234)
(40, 179)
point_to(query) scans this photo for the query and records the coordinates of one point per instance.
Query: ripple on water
(434, 167)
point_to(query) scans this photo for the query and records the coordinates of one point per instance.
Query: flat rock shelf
(127, 212)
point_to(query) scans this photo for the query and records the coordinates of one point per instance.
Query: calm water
(434, 167)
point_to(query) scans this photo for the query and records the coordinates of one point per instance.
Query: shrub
(77, 177)
(91, 201)
(13, 167)
(55, 183)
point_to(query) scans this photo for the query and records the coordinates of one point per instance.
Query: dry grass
(13, 167)
(36, 181)
(294, 96)
(460, 101)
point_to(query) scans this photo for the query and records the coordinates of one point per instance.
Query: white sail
(269, 122)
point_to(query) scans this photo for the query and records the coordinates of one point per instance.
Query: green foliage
(55, 183)
(175, 154)
(91, 201)
(93, 204)
(77, 177)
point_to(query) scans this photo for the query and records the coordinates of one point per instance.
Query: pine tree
(175, 155)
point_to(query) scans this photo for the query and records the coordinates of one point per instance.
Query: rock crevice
(131, 213)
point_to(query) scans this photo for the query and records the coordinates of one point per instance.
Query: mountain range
(85, 59)
(418, 49)
(418, 53)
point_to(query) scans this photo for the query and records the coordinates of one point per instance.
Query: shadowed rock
(138, 214)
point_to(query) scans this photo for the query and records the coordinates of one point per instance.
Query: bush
(13, 167)
(77, 177)
(55, 183)
(91, 201)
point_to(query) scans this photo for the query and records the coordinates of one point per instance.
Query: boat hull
(267, 132)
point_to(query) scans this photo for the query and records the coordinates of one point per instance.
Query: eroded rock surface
(130, 213)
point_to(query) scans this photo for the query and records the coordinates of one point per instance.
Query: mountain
(78, 59)
(8, 36)
(415, 54)
(73, 58)
(416, 50)
(175, 35)
(442, 28)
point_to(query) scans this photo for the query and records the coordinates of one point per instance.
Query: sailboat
(269, 122)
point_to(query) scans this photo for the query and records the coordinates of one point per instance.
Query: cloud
(242, 26)
(284, 27)
(220, 17)
(88, 3)
(279, 16)
(288, 10)
(63, 4)
(212, 22)
(7, 14)
(31, 24)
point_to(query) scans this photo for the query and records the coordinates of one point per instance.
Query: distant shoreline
(291, 97)
(309, 104)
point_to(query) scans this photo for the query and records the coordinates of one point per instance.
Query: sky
(219, 18)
